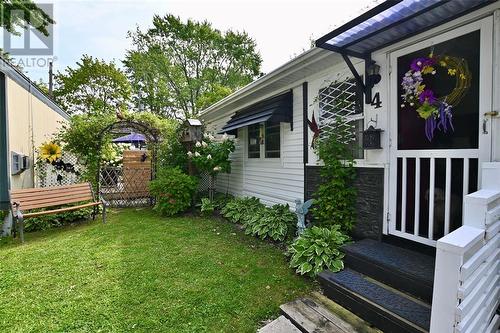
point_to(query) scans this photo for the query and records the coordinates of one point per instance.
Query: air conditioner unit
(19, 163)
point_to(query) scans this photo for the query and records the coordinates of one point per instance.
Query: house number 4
(376, 102)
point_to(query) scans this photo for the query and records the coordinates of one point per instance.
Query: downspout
(4, 155)
(4, 159)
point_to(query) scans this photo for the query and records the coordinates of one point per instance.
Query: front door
(440, 91)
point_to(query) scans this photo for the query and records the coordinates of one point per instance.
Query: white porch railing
(467, 281)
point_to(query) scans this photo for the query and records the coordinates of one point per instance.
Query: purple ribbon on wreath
(443, 122)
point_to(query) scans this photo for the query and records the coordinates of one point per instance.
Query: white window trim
(263, 146)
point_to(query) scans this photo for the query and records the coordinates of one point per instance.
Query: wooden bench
(23, 200)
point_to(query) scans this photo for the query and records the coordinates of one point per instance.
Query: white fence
(467, 281)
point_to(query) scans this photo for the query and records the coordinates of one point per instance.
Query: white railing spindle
(447, 197)
(432, 174)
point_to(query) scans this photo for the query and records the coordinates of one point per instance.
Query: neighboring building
(27, 119)
(420, 185)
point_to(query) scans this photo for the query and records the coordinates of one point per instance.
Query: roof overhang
(17, 76)
(387, 24)
(393, 21)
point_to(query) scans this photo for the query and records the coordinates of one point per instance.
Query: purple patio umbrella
(131, 138)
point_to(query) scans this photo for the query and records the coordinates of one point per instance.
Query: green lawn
(143, 273)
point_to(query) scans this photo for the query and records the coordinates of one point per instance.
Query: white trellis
(339, 108)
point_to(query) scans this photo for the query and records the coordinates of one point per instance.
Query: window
(264, 139)
(254, 141)
(343, 101)
(273, 140)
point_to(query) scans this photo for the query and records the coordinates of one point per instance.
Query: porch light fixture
(372, 74)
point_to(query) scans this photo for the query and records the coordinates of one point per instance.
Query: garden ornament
(301, 210)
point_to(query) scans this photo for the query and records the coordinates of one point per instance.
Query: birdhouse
(371, 138)
(192, 130)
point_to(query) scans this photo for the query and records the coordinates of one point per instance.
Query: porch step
(310, 316)
(405, 270)
(387, 309)
(279, 325)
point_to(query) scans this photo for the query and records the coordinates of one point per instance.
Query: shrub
(173, 190)
(80, 136)
(239, 209)
(211, 155)
(45, 222)
(318, 249)
(276, 222)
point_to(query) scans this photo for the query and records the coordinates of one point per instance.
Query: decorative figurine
(301, 210)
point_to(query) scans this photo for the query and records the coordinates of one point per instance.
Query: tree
(18, 14)
(179, 68)
(95, 86)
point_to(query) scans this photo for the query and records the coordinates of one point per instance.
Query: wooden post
(189, 147)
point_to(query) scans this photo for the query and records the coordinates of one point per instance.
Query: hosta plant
(276, 222)
(207, 207)
(237, 210)
(317, 249)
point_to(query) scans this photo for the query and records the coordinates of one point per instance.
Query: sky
(282, 29)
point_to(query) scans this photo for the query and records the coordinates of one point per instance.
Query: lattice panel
(51, 175)
(338, 104)
(204, 182)
(127, 185)
(125, 188)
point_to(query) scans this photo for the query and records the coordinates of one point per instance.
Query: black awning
(275, 109)
(392, 21)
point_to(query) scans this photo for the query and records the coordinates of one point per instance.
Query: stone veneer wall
(369, 202)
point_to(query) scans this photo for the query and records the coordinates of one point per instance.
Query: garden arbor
(124, 180)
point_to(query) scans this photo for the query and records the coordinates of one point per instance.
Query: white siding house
(425, 188)
(273, 180)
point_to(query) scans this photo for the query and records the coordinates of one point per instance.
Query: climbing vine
(335, 198)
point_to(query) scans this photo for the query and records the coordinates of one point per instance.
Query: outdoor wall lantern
(372, 74)
(371, 138)
(372, 77)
